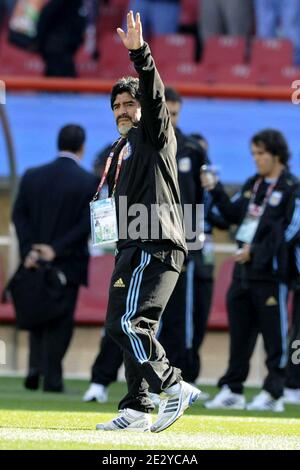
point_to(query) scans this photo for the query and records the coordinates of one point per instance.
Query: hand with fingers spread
(133, 39)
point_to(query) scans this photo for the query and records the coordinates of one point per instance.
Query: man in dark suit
(51, 215)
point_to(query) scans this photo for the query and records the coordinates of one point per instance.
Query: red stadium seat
(188, 12)
(273, 53)
(185, 73)
(111, 15)
(86, 67)
(218, 314)
(173, 48)
(14, 61)
(92, 301)
(239, 74)
(112, 51)
(115, 71)
(220, 50)
(283, 76)
(7, 314)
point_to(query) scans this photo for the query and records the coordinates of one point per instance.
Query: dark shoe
(32, 382)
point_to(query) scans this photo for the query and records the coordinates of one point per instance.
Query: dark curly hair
(125, 85)
(274, 142)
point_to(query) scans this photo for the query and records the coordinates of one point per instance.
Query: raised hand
(133, 39)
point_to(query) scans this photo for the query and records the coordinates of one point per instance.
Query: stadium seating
(177, 48)
(218, 315)
(111, 15)
(86, 66)
(186, 73)
(92, 301)
(114, 61)
(7, 314)
(272, 53)
(188, 12)
(17, 62)
(281, 76)
(237, 74)
(221, 50)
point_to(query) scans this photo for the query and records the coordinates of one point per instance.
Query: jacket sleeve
(292, 228)
(215, 219)
(155, 114)
(21, 219)
(65, 246)
(81, 230)
(232, 209)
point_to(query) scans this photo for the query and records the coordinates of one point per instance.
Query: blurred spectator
(205, 276)
(225, 17)
(53, 226)
(279, 18)
(61, 30)
(159, 16)
(266, 211)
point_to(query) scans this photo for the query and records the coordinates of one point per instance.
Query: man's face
(174, 109)
(127, 112)
(264, 161)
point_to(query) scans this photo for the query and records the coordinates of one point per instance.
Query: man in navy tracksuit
(267, 213)
(143, 171)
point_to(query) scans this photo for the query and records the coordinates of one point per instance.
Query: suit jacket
(52, 207)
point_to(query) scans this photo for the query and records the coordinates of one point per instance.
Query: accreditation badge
(247, 230)
(104, 228)
(275, 198)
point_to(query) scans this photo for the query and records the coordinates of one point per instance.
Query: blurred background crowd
(228, 41)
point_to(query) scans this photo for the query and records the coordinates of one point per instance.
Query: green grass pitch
(36, 420)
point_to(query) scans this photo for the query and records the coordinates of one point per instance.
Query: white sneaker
(265, 402)
(204, 396)
(226, 399)
(291, 396)
(155, 398)
(127, 420)
(96, 392)
(172, 406)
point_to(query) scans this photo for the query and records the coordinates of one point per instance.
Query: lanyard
(267, 196)
(107, 168)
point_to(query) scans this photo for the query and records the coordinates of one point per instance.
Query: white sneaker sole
(189, 401)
